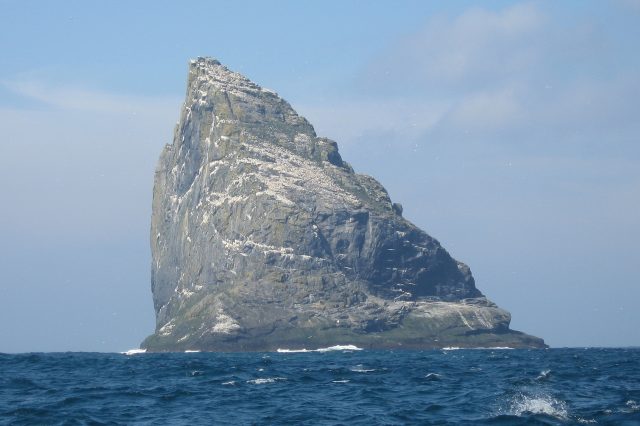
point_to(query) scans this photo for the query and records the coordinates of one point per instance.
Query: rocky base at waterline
(472, 323)
(263, 237)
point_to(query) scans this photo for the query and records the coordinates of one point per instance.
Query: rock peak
(212, 71)
(205, 60)
(234, 98)
(208, 60)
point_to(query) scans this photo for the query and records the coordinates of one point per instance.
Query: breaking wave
(329, 349)
(538, 404)
(265, 380)
(134, 352)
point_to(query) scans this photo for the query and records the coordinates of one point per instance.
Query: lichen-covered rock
(263, 237)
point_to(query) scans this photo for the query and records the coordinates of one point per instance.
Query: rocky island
(263, 237)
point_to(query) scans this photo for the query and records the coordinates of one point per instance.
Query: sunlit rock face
(263, 237)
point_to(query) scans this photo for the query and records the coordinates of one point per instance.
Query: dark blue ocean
(475, 387)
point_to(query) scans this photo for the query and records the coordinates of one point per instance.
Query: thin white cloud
(518, 75)
(352, 120)
(487, 110)
(90, 158)
(83, 99)
(473, 46)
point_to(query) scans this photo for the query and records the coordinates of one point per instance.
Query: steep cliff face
(262, 237)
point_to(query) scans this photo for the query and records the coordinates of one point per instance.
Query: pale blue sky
(508, 130)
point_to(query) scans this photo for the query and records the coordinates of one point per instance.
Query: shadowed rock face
(262, 237)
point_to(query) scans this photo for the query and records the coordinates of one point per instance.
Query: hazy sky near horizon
(508, 130)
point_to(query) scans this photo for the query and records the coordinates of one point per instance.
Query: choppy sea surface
(343, 386)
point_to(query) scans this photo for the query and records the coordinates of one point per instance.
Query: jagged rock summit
(263, 237)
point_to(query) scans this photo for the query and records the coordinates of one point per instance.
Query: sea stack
(263, 237)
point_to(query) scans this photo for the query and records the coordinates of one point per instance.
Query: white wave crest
(432, 376)
(544, 375)
(263, 381)
(134, 352)
(329, 349)
(538, 404)
(360, 369)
